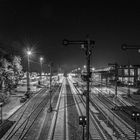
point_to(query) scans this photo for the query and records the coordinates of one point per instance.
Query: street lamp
(41, 61)
(84, 66)
(28, 67)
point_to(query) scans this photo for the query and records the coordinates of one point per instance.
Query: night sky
(44, 24)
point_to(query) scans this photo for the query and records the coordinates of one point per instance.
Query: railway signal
(130, 47)
(87, 46)
(83, 122)
(85, 77)
(135, 116)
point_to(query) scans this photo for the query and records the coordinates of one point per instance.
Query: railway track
(59, 129)
(120, 99)
(26, 117)
(125, 131)
(65, 123)
(15, 117)
(96, 131)
(124, 108)
(104, 105)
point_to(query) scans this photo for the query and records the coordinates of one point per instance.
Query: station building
(125, 74)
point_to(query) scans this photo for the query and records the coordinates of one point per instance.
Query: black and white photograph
(69, 70)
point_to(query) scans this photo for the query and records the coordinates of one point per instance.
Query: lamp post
(41, 61)
(28, 68)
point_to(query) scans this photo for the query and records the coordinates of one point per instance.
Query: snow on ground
(24, 88)
(10, 112)
(14, 103)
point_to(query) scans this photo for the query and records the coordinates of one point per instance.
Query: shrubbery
(4, 98)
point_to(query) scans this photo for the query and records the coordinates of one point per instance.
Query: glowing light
(85, 66)
(79, 69)
(29, 52)
(41, 59)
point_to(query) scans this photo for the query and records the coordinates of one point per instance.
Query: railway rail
(125, 131)
(25, 119)
(59, 129)
(96, 131)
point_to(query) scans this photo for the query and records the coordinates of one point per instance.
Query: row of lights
(28, 81)
(29, 53)
(78, 69)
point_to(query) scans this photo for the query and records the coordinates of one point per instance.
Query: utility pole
(41, 62)
(128, 81)
(116, 76)
(87, 45)
(28, 80)
(28, 73)
(50, 108)
(115, 65)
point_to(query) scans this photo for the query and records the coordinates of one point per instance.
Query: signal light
(82, 120)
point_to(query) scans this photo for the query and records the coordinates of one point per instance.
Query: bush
(4, 98)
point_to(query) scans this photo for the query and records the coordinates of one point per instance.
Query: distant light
(41, 58)
(79, 68)
(133, 114)
(93, 68)
(81, 119)
(85, 66)
(29, 52)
